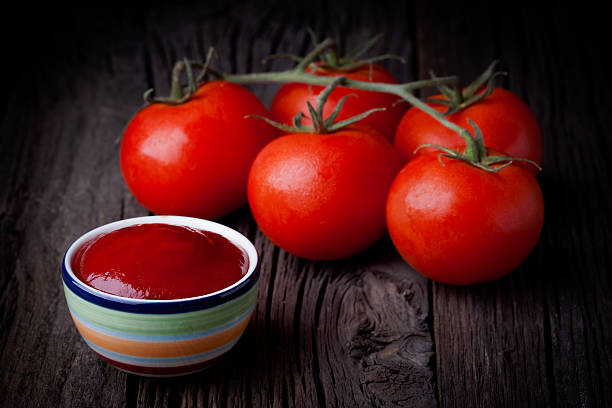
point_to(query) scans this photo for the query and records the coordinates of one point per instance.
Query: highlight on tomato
(190, 154)
(465, 218)
(319, 192)
(291, 98)
(507, 123)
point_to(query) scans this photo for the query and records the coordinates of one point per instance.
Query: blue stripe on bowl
(159, 307)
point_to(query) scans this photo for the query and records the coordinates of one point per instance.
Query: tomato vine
(456, 98)
(300, 74)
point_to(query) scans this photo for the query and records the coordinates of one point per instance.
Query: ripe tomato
(291, 99)
(322, 196)
(458, 224)
(506, 122)
(193, 159)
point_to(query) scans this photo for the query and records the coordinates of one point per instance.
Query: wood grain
(522, 341)
(349, 333)
(484, 333)
(366, 331)
(578, 285)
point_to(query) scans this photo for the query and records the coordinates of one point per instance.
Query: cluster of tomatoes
(331, 195)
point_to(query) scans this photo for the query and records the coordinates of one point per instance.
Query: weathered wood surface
(367, 331)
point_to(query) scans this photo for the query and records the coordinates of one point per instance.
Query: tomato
(458, 224)
(506, 122)
(291, 99)
(322, 196)
(193, 159)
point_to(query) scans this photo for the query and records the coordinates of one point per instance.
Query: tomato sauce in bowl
(159, 261)
(161, 296)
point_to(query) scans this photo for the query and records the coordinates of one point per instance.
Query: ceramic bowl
(162, 337)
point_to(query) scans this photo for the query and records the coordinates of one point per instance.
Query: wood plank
(576, 251)
(65, 164)
(537, 337)
(490, 338)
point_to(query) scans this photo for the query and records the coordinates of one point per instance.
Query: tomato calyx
(179, 92)
(456, 98)
(329, 60)
(475, 153)
(320, 124)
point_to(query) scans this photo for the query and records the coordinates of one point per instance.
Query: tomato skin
(457, 224)
(322, 196)
(506, 122)
(193, 159)
(291, 99)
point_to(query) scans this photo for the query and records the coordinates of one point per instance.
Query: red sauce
(159, 261)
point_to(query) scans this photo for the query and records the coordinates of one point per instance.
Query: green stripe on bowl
(149, 324)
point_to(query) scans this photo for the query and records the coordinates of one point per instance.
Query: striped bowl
(162, 338)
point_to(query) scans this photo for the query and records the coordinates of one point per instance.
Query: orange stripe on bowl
(172, 348)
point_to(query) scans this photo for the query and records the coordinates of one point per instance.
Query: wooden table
(366, 331)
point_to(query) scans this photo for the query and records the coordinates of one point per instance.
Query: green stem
(176, 90)
(401, 90)
(295, 75)
(320, 123)
(471, 149)
(314, 54)
(298, 74)
(404, 91)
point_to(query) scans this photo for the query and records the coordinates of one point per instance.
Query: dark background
(367, 331)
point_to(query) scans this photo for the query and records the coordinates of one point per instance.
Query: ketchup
(159, 261)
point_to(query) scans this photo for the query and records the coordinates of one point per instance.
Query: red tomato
(506, 122)
(458, 224)
(193, 159)
(322, 196)
(291, 99)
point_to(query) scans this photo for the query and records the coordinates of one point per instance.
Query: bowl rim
(239, 287)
